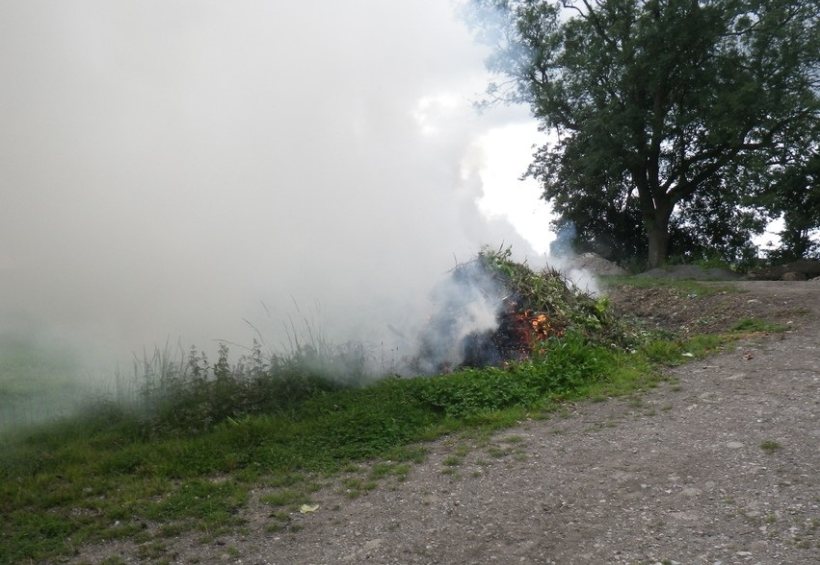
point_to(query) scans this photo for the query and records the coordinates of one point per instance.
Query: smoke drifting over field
(175, 170)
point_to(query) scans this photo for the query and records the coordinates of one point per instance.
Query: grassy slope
(110, 474)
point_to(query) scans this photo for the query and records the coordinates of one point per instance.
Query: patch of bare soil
(685, 312)
(718, 465)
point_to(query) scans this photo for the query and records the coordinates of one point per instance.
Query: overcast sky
(168, 166)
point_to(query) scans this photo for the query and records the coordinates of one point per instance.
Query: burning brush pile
(492, 311)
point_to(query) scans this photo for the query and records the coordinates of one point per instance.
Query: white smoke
(169, 167)
(465, 303)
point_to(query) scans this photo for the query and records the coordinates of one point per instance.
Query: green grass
(755, 325)
(673, 352)
(286, 497)
(770, 446)
(105, 475)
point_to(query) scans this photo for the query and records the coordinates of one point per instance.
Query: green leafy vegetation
(546, 291)
(770, 446)
(549, 292)
(755, 325)
(672, 352)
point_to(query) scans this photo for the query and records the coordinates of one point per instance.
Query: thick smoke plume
(465, 303)
(190, 172)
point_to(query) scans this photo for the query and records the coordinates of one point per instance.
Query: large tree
(664, 110)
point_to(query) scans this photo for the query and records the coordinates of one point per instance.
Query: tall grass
(190, 394)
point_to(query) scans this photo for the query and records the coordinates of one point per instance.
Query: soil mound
(595, 264)
(801, 270)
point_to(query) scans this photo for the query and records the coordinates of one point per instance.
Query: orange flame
(530, 328)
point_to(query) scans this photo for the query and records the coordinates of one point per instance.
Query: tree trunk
(657, 231)
(656, 208)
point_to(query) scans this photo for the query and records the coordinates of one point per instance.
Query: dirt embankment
(718, 465)
(714, 307)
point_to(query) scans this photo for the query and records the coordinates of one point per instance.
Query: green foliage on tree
(796, 195)
(676, 120)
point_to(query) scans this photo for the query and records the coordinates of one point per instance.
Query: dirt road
(719, 465)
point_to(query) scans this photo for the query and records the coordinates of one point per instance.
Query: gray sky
(168, 166)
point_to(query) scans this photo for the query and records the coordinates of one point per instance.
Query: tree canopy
(679, 122)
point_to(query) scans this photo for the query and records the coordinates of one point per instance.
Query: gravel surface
(720, 465)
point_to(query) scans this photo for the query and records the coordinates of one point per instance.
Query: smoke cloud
(201, 170)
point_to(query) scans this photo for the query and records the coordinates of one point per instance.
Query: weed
(401, 471)
(407, 454)
(676, 352)
(171, 530)
(286, 497)
(452, 461)
(380, 470)
(497, 452)
(353, 483)
(770, 446)
(355, 487)
(755, 325)
(462, 450)
(285, 480)
(151, 550)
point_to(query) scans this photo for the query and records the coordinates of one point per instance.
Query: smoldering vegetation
(467, 302)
